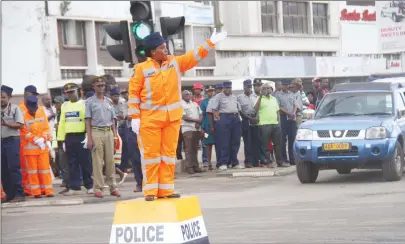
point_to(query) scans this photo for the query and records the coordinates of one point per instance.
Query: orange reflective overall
(39, 178)
(154, 98)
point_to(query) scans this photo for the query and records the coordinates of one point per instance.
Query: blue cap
(32, 89)
(227, 84)
(219, 85)
(32, 103)
(115, 91)
(90, 94)
(8, 90)
(247, 83)
(153, 40)
(286, 82)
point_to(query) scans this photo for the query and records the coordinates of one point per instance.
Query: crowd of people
(37, 139)
(75, 139)
(266, 117)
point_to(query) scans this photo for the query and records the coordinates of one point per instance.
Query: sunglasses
(101, 85)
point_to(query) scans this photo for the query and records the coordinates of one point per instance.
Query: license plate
(336, 146)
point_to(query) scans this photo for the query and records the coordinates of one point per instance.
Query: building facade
(50, 43)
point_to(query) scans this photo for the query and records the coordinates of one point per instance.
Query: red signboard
(357, 16)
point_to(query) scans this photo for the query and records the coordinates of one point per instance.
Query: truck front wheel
(307, 172)
(392, 169)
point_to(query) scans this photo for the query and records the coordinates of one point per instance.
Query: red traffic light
(140, 10)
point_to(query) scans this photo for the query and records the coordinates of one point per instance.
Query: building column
(311, 19)
(280, 21)
(91, 48)
(52, 49)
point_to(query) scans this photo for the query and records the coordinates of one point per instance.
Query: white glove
(39, 140)
(135, 124)
(49, 145)
(41, 145)
(84, 142)
(215, 38)
(64, 147)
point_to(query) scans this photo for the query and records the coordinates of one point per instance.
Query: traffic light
(119, 32)
(142, 25)
(171, 26)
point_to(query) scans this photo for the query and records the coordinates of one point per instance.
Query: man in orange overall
(28, 91)
(155, 108)
(36, 143)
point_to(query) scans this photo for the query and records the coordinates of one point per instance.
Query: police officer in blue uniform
(226, 109)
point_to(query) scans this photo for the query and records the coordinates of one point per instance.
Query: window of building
(320, 18)
(324, 54)
(295, 17)
(269, 16)
(298, 54)
(105, 39)
(67, 74)
(73, 33)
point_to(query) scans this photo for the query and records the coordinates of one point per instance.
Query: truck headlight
(378, 132)
(304, 135)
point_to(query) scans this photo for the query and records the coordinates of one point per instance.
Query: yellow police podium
(177, 220)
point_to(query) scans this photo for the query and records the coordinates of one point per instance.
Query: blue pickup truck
(357, 125)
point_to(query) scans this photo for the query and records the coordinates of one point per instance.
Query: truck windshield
(355, 104)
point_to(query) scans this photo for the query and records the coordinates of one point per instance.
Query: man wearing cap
(35, 139)
(155, 98)
(121, 111)
(101, 135)
(212, 120)
(226, 109)
(29, 90)
(12, 121)
(197, 98)
(247, 102)
(268, 109)
(288, 123)
(207, 132)
(72, 132)
(259, 158)
(296, 87)
(61, 158)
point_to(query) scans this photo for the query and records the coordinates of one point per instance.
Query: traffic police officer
(72, 130)
(247, 102)
(226, 109)
(288, 110)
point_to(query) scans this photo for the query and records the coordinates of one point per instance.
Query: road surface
(356, 208)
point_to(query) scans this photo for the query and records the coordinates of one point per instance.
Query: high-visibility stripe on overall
(36, 160)
(2, 193)
(23, 165)
(154, 97)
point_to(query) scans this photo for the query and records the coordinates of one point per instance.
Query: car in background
(357, 125)
(394, 10)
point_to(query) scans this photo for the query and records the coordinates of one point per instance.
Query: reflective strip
(147, 74)
(150, 186)
(34, 171)
(134, 100)
(143, 166)
(196, 56)
(133, 111)
(169, 159)
(44, 171)
(207, 47)
(73, 120)
(46, 186)
(166, 186)
(39, 119)
(31, 146)
(159, 107)
(33, 186)
(151, 160)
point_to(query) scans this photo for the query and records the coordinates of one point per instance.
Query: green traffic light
(141, 30)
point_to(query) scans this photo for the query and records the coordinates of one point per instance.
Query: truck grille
(349, 134)
(323, 133)
(352, 133)
(354, 151)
